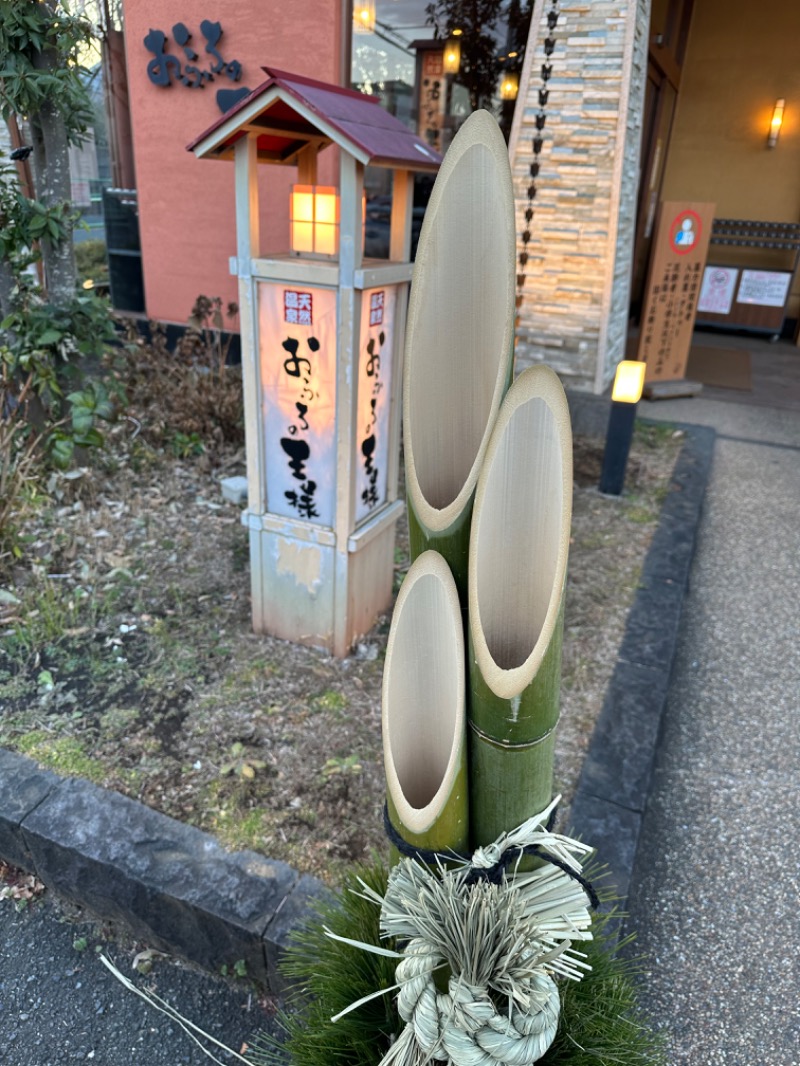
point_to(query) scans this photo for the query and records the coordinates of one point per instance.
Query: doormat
(728, 368)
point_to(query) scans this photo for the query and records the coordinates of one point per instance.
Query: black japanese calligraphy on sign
(296, 445)
(369, 496)
(166, 68)
(431, 108)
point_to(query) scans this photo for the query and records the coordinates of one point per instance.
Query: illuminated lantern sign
(297, 341)
(322, 330)
(374, 391)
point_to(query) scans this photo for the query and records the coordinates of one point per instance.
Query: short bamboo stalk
(423, 713)
(517, 572)
(459, 339)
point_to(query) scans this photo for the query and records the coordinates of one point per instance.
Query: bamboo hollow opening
(520, 533)
(460, 331)
(423, 713)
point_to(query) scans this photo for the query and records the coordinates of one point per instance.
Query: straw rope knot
(500, 939)
(463, 1026)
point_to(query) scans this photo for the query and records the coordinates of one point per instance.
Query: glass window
(432, 64)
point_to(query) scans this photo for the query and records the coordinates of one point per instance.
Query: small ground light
(626, 393)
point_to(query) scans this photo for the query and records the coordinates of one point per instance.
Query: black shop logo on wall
(191, 70)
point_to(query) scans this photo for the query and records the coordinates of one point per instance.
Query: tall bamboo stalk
(423, 714)
(517, 572)
(459, 339)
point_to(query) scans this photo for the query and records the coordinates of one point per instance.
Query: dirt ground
(126, 655)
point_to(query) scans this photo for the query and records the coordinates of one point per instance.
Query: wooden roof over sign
(288, 112)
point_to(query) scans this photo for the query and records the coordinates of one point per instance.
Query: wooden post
(350, 259)
(247, 249)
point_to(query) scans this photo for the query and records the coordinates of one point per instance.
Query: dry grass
(127, 655)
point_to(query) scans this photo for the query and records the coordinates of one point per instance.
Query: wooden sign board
(683, 231)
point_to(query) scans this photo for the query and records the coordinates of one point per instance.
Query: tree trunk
(53, 187)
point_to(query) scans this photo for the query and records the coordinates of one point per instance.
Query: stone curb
(612, 791)
(180, 890)
(169, 883)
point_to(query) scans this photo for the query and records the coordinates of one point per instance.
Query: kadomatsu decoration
(518, 552)
(459, 339)
(496, 936)
(425, 750)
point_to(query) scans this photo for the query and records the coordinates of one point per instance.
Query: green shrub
(91, 261)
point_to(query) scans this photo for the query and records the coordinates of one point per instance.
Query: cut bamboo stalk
(423, 715)
(459, 339)
(517, 572)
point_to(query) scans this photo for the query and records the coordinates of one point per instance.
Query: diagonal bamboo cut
(423, 712)
(517, 571)
(459, 339)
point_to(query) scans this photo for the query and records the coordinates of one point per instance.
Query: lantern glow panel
(509, 86)
(374, 392)
(775, 123)
(364, 16)
(315, 219)
(628, 381)
(452, 56)
(297, 331)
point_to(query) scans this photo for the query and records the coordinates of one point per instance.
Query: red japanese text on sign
(376, 304)
(298, 307)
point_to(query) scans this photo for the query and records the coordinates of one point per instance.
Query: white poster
(767, 288)
(374, 392)
(716, 292)
(297, 348)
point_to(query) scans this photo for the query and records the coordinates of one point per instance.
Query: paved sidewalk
(716, 886)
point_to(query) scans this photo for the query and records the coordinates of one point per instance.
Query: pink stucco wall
(186, 205)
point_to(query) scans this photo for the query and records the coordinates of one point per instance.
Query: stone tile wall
(573, 311)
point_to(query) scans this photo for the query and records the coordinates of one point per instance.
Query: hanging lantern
(452, 54)
(509, 86)
(364, 16)
(315, 219)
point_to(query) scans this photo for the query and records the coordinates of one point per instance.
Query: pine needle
(600, 1022)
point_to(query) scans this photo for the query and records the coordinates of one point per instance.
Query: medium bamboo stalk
(423, 714)
(517, 572)
(459, 339)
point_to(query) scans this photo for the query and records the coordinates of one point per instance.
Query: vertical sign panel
(297, 349)
(433, 94)
(673, 288)
(374, 393)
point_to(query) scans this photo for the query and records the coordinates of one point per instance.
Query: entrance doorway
(669, 33)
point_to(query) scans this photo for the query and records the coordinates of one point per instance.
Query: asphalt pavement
(60, 1005)
(715, 896)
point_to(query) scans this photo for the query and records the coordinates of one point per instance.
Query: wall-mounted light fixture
(314, 219)
(625, 395)
(452, 53)
(364, 16)
(775, 123)
(509, 86)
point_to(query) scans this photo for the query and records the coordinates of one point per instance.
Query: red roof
(296, 109)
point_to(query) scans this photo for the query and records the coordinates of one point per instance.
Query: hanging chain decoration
(497, 947)
(538, 143)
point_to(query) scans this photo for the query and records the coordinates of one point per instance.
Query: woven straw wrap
(463, 1026)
